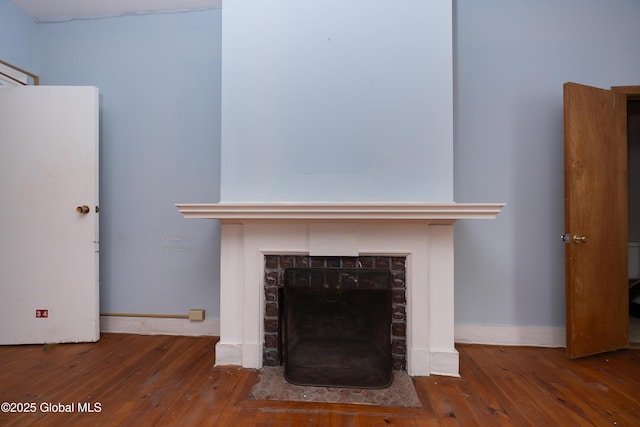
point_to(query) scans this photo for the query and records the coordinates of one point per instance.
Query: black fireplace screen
(337, 329)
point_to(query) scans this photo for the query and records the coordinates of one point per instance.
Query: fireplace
(337, 327)
(354, 307)
(276, 267)
(420, 233)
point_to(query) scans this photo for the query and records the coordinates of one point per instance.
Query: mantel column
(229, 348)
(444, 356)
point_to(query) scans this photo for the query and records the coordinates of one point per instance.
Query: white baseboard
(537, 336)
(159, 326)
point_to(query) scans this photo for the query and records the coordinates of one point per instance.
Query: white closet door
(48, 216)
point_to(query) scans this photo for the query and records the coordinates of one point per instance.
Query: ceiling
(43, 10)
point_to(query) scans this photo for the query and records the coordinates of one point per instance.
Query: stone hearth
(271, 385)
(421, 232)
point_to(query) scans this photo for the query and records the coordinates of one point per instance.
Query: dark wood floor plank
(497, 388)
(171, 381)
(509, 378)
(590, 390)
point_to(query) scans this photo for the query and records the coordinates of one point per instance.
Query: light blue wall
(16, 31)
(159, 80)
(337, 100)
(512, 57)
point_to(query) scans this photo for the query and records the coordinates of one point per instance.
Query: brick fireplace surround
(274, 280)
(421, 232)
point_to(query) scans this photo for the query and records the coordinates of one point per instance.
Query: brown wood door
(595, 170)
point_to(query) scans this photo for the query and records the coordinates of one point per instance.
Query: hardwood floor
(162, 380)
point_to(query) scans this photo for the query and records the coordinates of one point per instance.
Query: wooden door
(595, 146)
(48, 250)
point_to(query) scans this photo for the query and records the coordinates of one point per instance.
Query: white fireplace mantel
(422, 232)
(360, 211)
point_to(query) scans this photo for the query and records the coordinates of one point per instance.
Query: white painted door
(48, 240)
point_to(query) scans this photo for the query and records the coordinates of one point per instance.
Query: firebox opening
(337, 327)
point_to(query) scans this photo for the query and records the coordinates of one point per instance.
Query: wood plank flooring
(166, 381)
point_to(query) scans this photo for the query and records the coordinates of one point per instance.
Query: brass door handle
(580, 239)
(84, 209)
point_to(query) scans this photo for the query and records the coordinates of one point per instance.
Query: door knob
(580, 239)
(84, 209)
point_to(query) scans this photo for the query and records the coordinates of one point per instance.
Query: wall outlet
(42, 313)
(196, 314)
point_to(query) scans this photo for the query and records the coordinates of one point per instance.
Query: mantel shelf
(340, 211)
